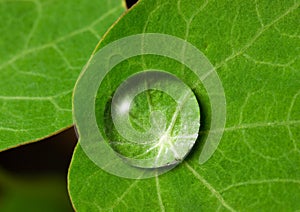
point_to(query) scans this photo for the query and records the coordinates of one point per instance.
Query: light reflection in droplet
(124, 107)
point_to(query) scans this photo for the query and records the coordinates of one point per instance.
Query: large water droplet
(156, 119)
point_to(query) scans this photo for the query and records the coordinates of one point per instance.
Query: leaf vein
(209, 187)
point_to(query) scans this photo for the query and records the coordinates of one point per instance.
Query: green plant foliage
(254, 46)
(33, 193)
(44, 45)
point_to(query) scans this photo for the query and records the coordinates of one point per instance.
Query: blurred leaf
(33, 193)
(44, 45)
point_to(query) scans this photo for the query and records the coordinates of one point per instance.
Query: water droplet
(156, 119)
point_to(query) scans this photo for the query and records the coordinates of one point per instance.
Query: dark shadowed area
(130, 3)
(33, 177)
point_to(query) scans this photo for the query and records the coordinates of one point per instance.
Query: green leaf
(33, 193)
(44, 45)
(254, 46)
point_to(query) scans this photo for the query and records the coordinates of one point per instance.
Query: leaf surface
(44, 45)
(254, 46)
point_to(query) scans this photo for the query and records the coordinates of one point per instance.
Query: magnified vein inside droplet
(153, 120)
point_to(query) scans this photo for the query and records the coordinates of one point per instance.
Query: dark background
(130, 3)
